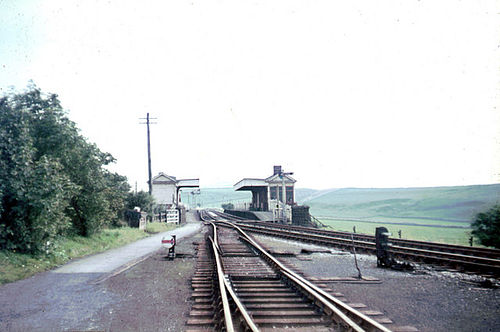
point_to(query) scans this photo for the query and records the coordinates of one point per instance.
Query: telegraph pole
(150, 183)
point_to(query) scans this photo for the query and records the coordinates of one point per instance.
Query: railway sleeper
(311, 311)
(296, 329)
(291, 322)
(276, 306)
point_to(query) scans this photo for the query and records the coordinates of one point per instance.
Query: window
(273, 192)
(276, 192)
(289, 195)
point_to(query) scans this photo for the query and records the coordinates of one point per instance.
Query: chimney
(276, 170)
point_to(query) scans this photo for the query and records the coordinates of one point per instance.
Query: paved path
(113, 259)
(71, 297)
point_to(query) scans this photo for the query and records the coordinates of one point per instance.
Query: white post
(269, 198)
(282, 175)
(283, 197)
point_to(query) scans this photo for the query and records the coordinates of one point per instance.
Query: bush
(228, 206)
(52, 181)
(486, 227)
(140, 199)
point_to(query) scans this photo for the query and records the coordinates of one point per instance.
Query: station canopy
(252, 184)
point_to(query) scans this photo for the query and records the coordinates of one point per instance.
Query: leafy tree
(52, 181)
(116, 194)
(34, 193)
(140, 199)
(486, 227)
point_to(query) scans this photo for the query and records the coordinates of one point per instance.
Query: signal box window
(289, 195)
(273, 192)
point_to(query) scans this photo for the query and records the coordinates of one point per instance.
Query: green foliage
(486, 227)
(228, 206)
(140, 199)
(52, 181)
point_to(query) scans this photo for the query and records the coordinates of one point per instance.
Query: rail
(228, 320)
(466, 260)
(225, 286)
(340, 312)
(472, 251)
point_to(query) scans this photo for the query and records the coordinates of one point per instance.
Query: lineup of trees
(53, 182)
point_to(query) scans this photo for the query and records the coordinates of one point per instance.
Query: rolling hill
(437, 203)
(458, 204)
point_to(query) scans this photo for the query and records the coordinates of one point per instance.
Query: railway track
(467, 259)
(239, 286)
(449, 248)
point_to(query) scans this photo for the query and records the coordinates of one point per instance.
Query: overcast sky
(342, 93)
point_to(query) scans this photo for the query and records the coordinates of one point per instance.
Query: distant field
(406, 221)
(454, 204)
(439, 203)
(434, 234)
(438, 214)
(423, 221)
(215, 197)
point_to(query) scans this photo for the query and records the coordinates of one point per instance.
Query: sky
(351, 93)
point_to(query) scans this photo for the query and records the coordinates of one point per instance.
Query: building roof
(163, 178)
(249, 183)
(276, 178)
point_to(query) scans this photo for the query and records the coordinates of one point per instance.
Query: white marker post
(170, 245)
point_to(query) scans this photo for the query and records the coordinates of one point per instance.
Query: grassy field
(426, 221)
(434, 234)
(438, 203)
(15, 266)
(408, 221)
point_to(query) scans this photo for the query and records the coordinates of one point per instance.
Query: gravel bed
(155, 295)
(425, 298)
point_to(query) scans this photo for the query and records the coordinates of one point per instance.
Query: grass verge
(412, 232)
(15, 266)
(158, 227)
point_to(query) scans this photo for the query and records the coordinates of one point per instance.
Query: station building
(268, 194)
(166, 189)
